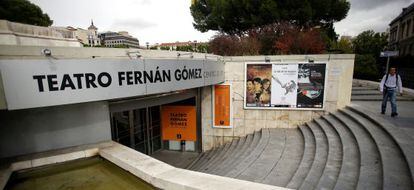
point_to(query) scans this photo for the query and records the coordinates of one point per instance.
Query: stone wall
(12, 33)
(338, 95)
(42, 129)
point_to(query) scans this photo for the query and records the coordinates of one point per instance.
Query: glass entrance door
(139, 129)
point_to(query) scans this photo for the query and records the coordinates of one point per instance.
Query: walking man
(390, 83)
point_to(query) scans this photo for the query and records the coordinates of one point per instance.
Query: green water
(92, 174)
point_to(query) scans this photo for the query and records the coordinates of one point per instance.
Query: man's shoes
(383, 112)
(394, 114)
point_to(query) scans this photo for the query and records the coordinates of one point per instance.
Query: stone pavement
(363, 95)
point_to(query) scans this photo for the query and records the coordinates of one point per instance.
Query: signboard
(285, 85)
(38, 83)
(178, 123)
(222, 106)
(389, 54)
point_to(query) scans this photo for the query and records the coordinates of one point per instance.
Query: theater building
(58, 97)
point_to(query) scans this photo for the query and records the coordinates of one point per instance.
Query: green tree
(188, 48)
(370, 42)
(165, 47)
(342, 46)
(365, 67)
(368, 45)
(23, 11)
(238, 16)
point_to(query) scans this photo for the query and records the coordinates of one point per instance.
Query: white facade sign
(38, 83)
(389, 54)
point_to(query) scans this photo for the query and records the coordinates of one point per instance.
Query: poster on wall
(178, 123)
(285, 85)
(222, 110)
(311, 85)
(258, 85)
(284, 88)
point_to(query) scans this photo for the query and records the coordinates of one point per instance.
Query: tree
(365, 67)
(342, 46)
(368, 45)
(238, 16)
(369, 42)
(23, 11)
(295, 41)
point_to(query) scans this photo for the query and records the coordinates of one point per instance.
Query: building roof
(405, 11)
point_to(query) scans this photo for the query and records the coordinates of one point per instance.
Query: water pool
(92, 174)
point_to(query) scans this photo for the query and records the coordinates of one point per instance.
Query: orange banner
(178, 123)
(222, 107)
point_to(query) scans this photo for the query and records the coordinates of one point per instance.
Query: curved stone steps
(270, 157)
(334, 160)
(213, 165)
(347, 149)
(370, 171)
(396, 173)
(307, 158)
(321, 157)
(214, 158)
(228, 159)
(252, 156)
(249, 145)
(203, 159)
(404, 140)
(289, 163)
(348, 175)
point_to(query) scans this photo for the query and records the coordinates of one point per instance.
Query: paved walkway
(368, 97)
(405, 110)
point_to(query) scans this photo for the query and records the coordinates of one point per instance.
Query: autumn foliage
(296, 41)
(272, 39)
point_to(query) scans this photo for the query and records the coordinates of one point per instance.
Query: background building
(93, 39)
(402, 32)
(118, 39)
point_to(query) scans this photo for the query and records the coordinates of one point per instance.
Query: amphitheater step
(396, 173)
(290, 160)
(370, 171)
(208, 166)
(251, 156)
(334, 160)
(307, 158)
(347, 149)
(268, 159)
(348, 176)
(212, 167)
(249, 145)
(321, 157)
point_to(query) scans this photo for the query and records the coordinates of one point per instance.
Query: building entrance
(139, 129)
(152, 124)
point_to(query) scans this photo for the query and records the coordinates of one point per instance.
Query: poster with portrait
(311, 85)
(284, 88)
(258, 85)
(285, 85)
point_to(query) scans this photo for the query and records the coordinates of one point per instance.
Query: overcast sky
(157, 21)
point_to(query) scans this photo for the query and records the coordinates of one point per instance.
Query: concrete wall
(338, 95)
(36, 130)
(12, 33)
